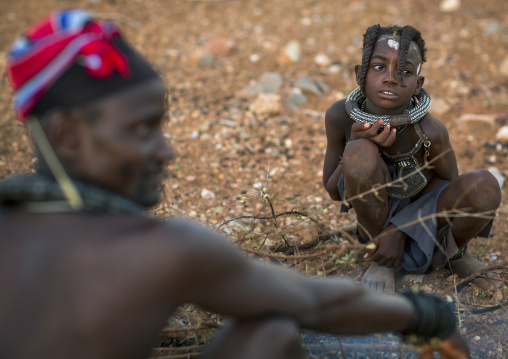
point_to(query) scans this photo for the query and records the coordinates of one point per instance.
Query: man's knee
(481, 189)
(361, 159)
(284, 334)
(265, 338)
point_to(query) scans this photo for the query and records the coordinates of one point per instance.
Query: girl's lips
(387, 94)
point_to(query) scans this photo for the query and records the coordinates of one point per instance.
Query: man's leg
(477, 193)
(277, 338)
(363, 168)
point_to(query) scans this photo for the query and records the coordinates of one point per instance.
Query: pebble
(218, 46)
(290, 54)
(322, 60)
(254, 58)
(502, 134)
(503, 68)
(449, 5)
(323, 88)
(413, 278)
(271, 82)
(476, 338)
(334, 69)
(472, 117)
(206, 61)
(498, 175)
(251, 91)
(294, 98)
(207, 194)
(308, 86)
(439, 106)
(497, 296)
(266, 104)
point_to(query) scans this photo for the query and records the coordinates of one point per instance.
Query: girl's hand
(365, 130)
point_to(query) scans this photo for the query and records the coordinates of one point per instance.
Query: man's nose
(164, 150)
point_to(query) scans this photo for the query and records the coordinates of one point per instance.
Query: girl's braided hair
(406, 33)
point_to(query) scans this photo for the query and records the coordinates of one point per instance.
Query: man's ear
(63, 131)
(357, 74)
(419, 85)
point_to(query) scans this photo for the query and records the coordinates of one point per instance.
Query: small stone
(322, 60)
(206, 61)
(426, 288)
(502, 134)
(251, 91)
(218, 46)
(476, 338)
(472, 117)
(449, 5)
(254, 58)
(498, 175)
(492, 28)
(493, 258)
(492, 159)
(207, 194)
(293, 50)
(290, 54)
(497, 296)
(306, 21)
(503, 68)
(266, 104)
(271, 82)
(308, 86)
(334, 69)
(194, 134)
(323, 88)
(439, 106)
(190, 178)
(413, 278)
(294, 98)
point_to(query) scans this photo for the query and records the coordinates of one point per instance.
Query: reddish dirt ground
(225, 148)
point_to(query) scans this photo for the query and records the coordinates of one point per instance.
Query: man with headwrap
(84, 274)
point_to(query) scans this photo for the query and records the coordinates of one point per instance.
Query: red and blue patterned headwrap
(70, 58)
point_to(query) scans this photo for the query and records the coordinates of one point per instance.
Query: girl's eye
(377, 67)
(142, 130)
(407, 72)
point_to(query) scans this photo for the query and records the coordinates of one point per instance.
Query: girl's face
(386, 95)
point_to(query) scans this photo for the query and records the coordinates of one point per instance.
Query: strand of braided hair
(407, 35)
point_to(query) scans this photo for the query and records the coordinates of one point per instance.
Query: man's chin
(147, 200)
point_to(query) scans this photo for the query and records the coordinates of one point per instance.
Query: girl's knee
(361, 159)
(481, 188)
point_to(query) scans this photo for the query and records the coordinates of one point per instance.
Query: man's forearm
(345, 308)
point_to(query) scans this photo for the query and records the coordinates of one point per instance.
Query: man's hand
(365, 130)
(390, 247)
(452, 348)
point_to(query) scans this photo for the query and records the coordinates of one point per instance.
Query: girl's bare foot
(379, 278)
